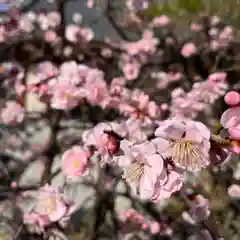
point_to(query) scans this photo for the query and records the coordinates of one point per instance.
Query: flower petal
(195, 132)
(170, 129)
(147, 182)
(126, 147)
(156, 163)
(162, 145)
(147, 148)
(230, 117)
(59, 213)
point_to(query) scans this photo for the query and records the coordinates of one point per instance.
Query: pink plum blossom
(137, 5)
(51, 206)
(215, 20)
(202, 95)
(95, 87)
(66, 96)
(132, 129)
(217, 77)
(75, 161)
(75, 33)
(12, 113)
(230, 120)
(71, 33)
(160, 21)
(226, 35)
(234, 147)
(131, 70)
(86, 34)
(142, 167)
(174, 76)
(172, 183)
(234, 191)
(139, 106)
(54, 19)
(134, 221)
(77, 18)
(232, 98)
(90, 3)
(72, 73)
(188, 50)
(196, 27)
(50, 36)
(185, 142)
(200, 208)
(155, 227)
(100, 138)
(45, 70)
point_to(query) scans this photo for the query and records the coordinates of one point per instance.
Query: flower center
(186, 154)
(68, 95)
(47, 205)
(76, 163)
(134, 172)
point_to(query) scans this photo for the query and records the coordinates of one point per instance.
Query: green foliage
(159, 9)
(176, 8)
(191, 6)
(3, 126)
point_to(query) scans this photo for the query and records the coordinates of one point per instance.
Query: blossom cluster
(163, 110)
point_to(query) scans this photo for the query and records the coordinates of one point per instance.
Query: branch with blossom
(128, 138)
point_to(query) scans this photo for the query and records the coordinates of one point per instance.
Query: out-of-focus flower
(12, 113)
(131, 130)
(203, 94)
(185, 142)
(75, 33)
(160, 21)
(131, 70)
(236, 173)
(214, 20)
(137, 5)
(234, 191)
(66, 96)
(71, 32)
(106, 52)
(77, 18)
(44, 70)
(230, 120)
(51, 206)
(75, 161)
(95, 87)
(54, 19)
(196, 27)
(226, 35)
(200, 208)
(232, 98)
(90, 3)
(217, 77)
(50, 36)
(174, 76)
(139, 106)
(188, 50)
(134, 221)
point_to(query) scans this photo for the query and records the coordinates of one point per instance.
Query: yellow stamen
(68, 95)
(47, 205)
(185, 154)
(76, 163)
(134, 172)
